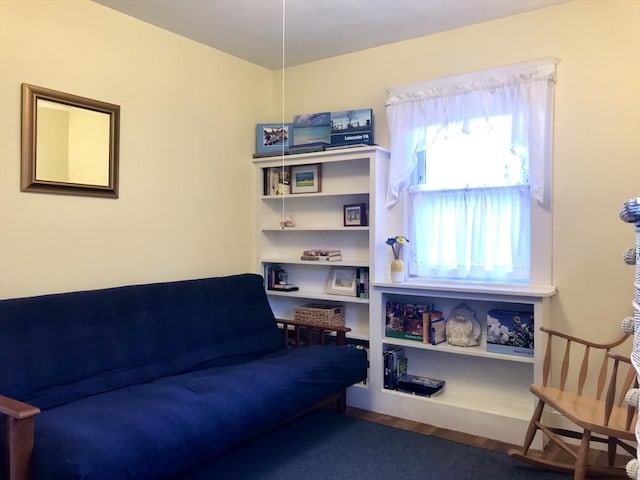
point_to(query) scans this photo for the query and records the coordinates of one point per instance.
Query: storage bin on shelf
(320, 314)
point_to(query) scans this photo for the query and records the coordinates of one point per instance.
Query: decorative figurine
(462, 328)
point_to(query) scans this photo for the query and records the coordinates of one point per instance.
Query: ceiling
(313, 29)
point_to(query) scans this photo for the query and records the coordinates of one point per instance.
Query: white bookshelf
(347, 177)
(486, 393)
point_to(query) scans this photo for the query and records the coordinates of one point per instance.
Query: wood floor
(425, 429)
(551, 452)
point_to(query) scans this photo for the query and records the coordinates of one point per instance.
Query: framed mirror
(69, 144)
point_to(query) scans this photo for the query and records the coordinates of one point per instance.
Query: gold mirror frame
(29, 181)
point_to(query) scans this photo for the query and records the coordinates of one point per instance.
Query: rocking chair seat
(587, 412)
(591, 401)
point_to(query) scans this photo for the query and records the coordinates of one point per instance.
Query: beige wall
(188, 117)
(597, 152)
(187, 122)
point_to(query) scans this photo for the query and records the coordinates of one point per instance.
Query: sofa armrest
(19, 425)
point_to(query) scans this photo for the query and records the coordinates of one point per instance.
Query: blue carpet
(323, 445)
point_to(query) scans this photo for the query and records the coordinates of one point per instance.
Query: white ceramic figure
(462, 328)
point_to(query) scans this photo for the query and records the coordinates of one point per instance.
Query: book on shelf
(284, 287)
(352, 145)
(395, 366)
(276, 181)
(433, 329)
(330, 258)
(406, 320)
(419, 385)
(308, 147)
(363, 282)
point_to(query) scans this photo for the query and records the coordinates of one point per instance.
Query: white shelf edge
(340, 155)
(316, 263)
(478, 351)
(312, 195)
(318, 296)
(535, 291)
(277, 228)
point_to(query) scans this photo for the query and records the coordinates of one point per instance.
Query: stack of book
(322, 255)
(419, 385)
(277, 279)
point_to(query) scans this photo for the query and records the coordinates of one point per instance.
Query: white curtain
(525, 91)
(482, 234)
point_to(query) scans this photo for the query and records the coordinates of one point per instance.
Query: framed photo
(271, 138)
(343, 281)
(305, 179)
(355, 215)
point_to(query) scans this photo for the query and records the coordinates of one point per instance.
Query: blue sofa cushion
(84, 343)
(159, 429)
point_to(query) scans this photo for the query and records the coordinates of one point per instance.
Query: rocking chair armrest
(16, 409)
(618, 341)
(619, 357)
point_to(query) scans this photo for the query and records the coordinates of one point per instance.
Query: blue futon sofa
(147, 381)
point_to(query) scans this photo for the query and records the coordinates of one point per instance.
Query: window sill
(507, 289)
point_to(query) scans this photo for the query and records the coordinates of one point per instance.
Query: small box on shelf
(510, 332)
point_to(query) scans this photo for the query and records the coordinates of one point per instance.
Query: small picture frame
(273, 138)
(343, 281)
(355, 215)
(305, 179)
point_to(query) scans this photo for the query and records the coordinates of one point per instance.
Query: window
(473, 154)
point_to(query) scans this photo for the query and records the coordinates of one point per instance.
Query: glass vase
(397, 270)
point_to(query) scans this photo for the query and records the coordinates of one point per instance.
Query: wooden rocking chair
(596, 415)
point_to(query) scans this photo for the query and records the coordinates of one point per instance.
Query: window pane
(478, 153)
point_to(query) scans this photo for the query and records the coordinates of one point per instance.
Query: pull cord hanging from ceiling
(285, 132)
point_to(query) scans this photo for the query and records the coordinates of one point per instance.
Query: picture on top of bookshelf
(352, 127)
(407, 320)
(273, 139)
(312, 129)
(510, 332)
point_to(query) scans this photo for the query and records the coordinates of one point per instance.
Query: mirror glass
(69, 144)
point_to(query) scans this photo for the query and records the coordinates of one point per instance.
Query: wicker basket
(321, 314)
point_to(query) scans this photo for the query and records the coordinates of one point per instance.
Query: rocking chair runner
(598, 415)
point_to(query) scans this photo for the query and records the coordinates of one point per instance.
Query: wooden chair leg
(612, 445)
(533, 427)
(583, 456)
